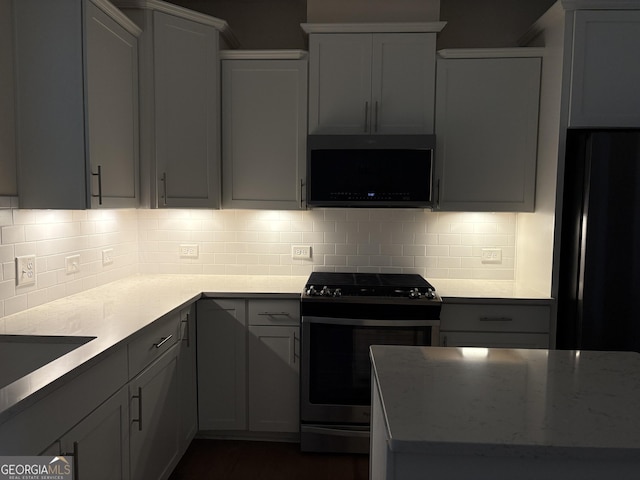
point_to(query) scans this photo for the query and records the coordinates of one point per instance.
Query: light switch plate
(72, 263)
(107, 256)
(25, 270)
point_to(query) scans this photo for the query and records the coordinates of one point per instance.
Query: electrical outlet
(72, 263)
(189, 250)
(26, 270)
(107, 256)
(301, 252)
(491, 255)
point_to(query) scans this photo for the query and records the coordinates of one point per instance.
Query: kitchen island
(504, 413)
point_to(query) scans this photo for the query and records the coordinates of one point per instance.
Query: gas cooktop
(334, 284)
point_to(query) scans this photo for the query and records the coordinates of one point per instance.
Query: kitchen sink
(23, 354)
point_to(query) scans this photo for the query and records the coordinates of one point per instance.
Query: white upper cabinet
(76, 65)
(180, 102)
(264, 129)
(487, 129)
(376, 82)
(605, 69)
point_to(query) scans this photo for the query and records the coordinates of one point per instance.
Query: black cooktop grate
(346, 281)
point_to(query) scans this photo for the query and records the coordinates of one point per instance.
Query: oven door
(335, 365)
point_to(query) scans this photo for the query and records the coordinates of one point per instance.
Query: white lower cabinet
(154, 419)
(510, 325)
(100, 443)
(274, 366)
(248, 365)
(222, 347)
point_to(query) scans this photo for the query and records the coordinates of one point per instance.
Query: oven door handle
(367, 322)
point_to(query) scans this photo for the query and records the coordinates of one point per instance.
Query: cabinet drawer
(494, 339)
(495, 318)
(274, 312)
(152, 342)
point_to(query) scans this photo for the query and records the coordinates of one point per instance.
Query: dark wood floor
(249, 460)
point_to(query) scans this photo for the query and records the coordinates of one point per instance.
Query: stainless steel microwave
(370, 170)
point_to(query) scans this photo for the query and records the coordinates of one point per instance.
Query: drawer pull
(275, 314)
(163, 340)
(496, 319)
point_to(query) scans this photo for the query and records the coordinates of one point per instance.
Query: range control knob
(311, 291)
(415, 293)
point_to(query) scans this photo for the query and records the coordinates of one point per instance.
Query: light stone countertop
(114, 312)
(510, 402)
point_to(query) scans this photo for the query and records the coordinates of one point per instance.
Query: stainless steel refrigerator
(599, 277)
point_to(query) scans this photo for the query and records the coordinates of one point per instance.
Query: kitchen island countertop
(524, 409)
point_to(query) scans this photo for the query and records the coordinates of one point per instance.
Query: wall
(274, 24)
(436, 245)
(536, 231)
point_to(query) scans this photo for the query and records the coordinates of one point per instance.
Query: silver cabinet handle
(375, 125)
(162, 341)
(496, 319)
(366, 117)
(163, 179)
(99, 175)
(275, 314)
(187, 331)
(301, 199)
(139, 419)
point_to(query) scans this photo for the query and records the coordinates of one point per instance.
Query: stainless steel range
(342, 315)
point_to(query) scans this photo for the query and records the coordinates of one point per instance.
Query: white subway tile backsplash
(234, 242)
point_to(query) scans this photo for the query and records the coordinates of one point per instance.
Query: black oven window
(339, 365)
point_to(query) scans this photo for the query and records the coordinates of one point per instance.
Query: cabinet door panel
(222, 364)
(339, 83)
(186, 71)
(403, 83)
(154, 419)
(264, 133)
(486, 133)
(101, 441)
(274, 367)
(606, 71)
(112, 105)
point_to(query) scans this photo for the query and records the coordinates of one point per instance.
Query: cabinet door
(100, 443)
(274, 367)
(154, 419)
(76, 104)
(112, 108)
(187, 379)
(264, 113)
(339, 83)
(221, 340)
(486, 133)
(403, 83)
(605, 71)
(186, 112)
